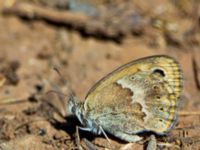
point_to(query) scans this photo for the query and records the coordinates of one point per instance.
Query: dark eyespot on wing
(159, 71)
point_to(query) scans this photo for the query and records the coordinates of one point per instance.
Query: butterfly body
(140, 96)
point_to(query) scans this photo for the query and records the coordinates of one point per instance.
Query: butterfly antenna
(56, 89)
(60, 75)
(71, 94)
(60, 95)
(57, 92)
(64, 81)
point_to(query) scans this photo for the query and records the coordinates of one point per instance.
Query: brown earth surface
(86, 40)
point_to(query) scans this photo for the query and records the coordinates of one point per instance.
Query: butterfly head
(77, 109)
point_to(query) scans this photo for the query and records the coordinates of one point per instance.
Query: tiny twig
(2, 80)
(78, 21)
(26, 123)
(188, 113)
(6, 101)
(89, 145)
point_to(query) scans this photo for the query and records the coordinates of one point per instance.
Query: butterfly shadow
(70, 127)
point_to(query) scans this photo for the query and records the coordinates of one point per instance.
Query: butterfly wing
(142, 95)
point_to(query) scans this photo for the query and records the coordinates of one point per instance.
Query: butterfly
(141, 96)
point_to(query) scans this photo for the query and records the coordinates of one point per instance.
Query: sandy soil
(86, 40)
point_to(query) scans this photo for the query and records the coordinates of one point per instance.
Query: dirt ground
(86, 40)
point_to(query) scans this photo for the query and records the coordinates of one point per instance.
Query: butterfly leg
(152, 144)
(78, 143)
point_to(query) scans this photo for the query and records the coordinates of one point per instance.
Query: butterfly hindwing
(142, 95)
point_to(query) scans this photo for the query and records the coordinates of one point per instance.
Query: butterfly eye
(159, 71)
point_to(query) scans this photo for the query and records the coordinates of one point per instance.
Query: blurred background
(85, 40)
